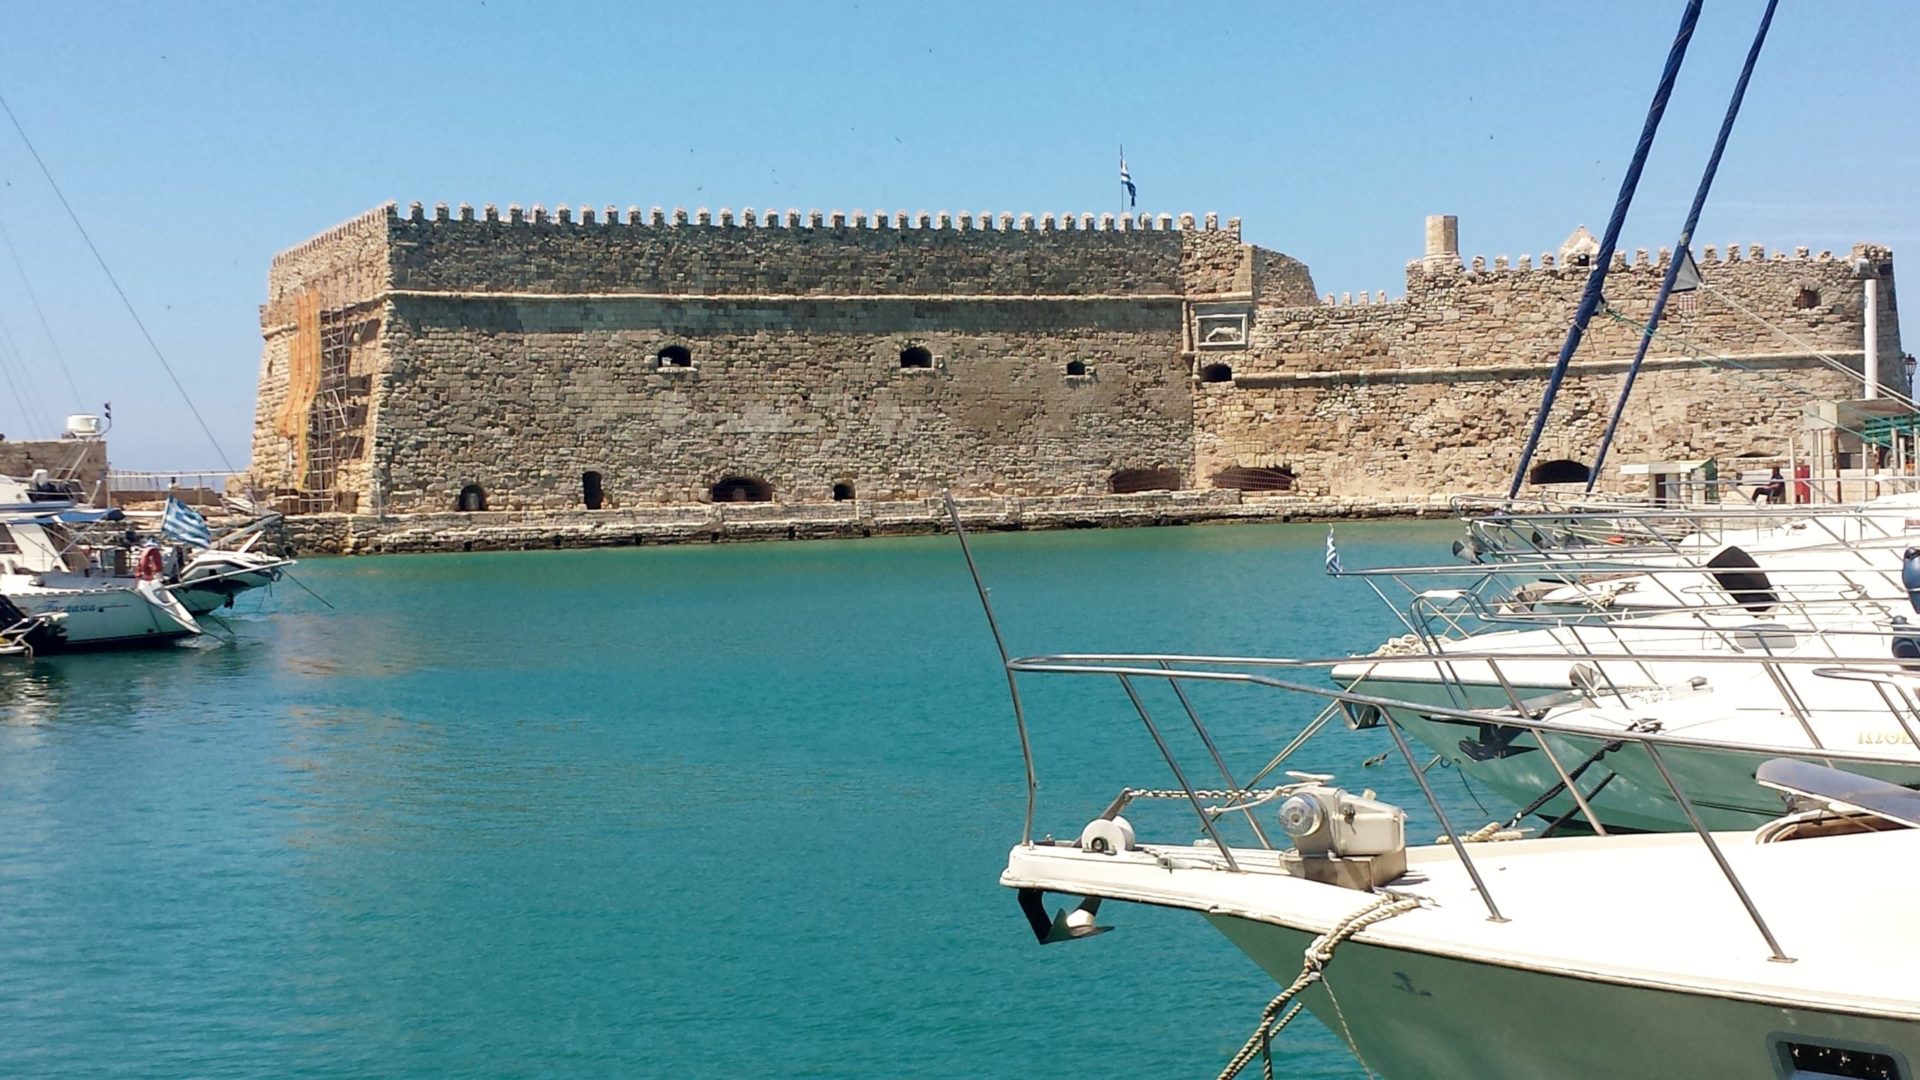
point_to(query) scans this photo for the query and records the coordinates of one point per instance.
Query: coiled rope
(1318, 954)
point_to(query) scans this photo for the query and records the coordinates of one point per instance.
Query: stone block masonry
(430, 362)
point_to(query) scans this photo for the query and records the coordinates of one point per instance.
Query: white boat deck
(1649, 910)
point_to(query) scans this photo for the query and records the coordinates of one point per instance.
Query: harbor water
(715, 811)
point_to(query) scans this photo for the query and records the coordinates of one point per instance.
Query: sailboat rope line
(115, 282)
(1704, 356)
(1319, 953)
(1803, 343)
(58, 356)
(1698, 352)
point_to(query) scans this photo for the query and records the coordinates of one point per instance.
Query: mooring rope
(1313, 962)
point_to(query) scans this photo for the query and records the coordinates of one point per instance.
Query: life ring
(151, 565)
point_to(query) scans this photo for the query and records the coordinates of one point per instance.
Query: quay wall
(493, 530)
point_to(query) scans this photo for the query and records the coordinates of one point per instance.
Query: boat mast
(1682, 251)
(1597, 278)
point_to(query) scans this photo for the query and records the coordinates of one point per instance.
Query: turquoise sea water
(690, 812)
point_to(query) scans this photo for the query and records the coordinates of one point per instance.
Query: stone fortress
(431, 362)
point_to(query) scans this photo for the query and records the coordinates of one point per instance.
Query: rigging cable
(33, 411)
(1590, 299)
(1812, 350)
(58, 356)
(1682, 254)
(122, 293)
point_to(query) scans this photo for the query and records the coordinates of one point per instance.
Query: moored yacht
(1697, 954)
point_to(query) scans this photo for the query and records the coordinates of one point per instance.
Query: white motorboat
(109, 614)
(1610, 957)
(74, 603)
(58, 565)
(1701, 954)
(211, 577)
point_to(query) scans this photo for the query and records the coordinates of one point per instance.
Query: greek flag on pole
(1333, 553)
(1126, 178)
(183, 523)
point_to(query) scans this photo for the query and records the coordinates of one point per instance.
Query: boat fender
(1910, 576)
(1107, 836)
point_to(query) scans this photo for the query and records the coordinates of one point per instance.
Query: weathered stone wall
(1436, 390)
(410, 356)
(518, 352)
(523, 397)
(64, 459)
(778, 255)
(315, 292)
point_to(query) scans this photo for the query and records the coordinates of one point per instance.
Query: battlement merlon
(952, 221)
(581, 251)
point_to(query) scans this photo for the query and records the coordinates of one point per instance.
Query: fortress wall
(342, 273)
(524, 396)
(785, 254)
(1474, 317)
(517, 350)
(1436, 390)
(1462, 431)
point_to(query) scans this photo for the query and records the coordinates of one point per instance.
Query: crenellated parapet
(899, 220)
(568, 248)
(1477, 267)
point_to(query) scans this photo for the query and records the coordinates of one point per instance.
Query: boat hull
(1411, 1015)
(1718, 781)
(101, 619)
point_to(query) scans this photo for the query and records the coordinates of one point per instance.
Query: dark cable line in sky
(115, 282)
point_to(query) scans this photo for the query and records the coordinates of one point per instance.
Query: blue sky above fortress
(196, 142)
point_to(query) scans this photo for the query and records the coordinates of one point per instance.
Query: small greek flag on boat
(183, 523)
(1333, 553)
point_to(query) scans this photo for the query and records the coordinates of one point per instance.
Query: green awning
(1880, 430)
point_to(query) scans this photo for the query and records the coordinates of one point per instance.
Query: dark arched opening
(916, 357)
(1743, 580)
(675, 356)
(742, 489)
(472, 497)
(591, 491)
(842, 492)
(1807, 298)
(1128, 481)
(1076, 367)
(1249, 478)
(1559, 471)
(1216, 373)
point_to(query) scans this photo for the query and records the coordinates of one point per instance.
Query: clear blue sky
(195, 141)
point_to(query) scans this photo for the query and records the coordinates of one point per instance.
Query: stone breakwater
(513, 530)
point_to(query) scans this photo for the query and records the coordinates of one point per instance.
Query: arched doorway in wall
(590, 490)
(1217, 373)
(916, 357)
(472, 497)
(674, 356)
(843, 492)
(742, 489)
(1128, 481)
(1559, 471)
